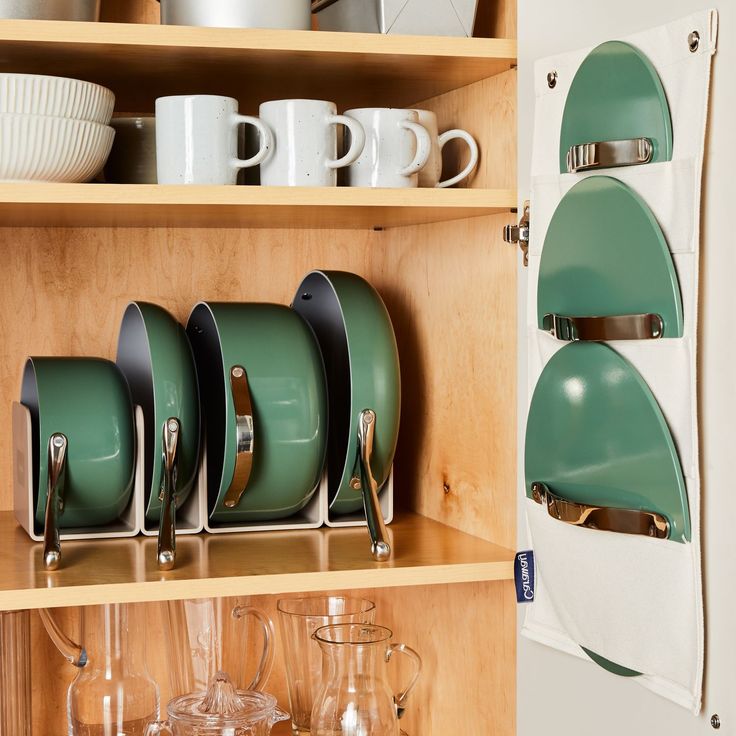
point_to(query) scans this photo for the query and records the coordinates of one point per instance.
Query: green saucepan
(356, 337)
(606, 271)
(83, 444)
(156, 358)
(616, 112)
(262, 385)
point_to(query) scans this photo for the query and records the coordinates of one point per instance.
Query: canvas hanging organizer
(612, 478)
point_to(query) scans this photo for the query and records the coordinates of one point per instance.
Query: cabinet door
(557, 693)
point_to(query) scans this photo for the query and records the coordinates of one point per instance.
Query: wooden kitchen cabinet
(74, 255)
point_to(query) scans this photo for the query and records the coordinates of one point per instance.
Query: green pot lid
(605, 254)
(616, 95)
(596, 435)
(156, 359)
(357, 341)
(612, 667)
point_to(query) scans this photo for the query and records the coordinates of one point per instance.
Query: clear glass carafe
(222, 710)
(355, 698)
(113, 693)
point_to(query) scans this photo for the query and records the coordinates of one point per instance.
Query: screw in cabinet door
(693, 42)
(715, 721)
(552, 79)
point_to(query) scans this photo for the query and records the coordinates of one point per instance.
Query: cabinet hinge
(519, 234)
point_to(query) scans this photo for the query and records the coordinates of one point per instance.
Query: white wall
(559, 694)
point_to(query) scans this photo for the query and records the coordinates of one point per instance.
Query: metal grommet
(693, 41)
(715, 721)
(552, 78)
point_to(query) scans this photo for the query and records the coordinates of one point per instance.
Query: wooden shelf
(141, 62)
(93, 572)
(126, 205)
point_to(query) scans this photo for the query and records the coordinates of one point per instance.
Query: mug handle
(357, 141)
(266, 138)
(424, 147)
(266, 664)
(472, 145)
(400, 698)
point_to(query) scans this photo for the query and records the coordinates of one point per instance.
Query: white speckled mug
(197, 140)
(431, 174)
(305, 143)
(397, 147)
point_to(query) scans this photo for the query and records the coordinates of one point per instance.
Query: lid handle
(618, 327)
(605, 518)
(605, 154)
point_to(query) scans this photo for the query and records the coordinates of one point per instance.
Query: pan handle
(244, 436)
(58, 445)
(167, 523)
(380, 547)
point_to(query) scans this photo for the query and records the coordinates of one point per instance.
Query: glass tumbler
(299, 618)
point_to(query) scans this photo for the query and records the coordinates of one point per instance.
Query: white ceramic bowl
(44, 148)
(36, 94)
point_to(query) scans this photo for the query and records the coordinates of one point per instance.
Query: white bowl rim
(56, 78)
(61, 118)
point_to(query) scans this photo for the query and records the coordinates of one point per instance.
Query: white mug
(304, 153)
(431, 174)
(397, 147)
(197, 140)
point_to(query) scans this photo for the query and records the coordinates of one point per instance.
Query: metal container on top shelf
(79, 10)
(400, 17)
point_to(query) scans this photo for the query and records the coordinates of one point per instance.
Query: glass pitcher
(355, 698)
(113, 693)
(211, 635)
(222, 710)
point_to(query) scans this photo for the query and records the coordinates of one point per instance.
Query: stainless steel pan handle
(605, 518)
(169, 474)
(380, 547)
(57, 450)
(244, 436)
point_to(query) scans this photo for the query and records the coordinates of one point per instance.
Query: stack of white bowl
(53, 129)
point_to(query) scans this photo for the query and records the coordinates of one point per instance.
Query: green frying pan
(597, 437)
(616, 112)
(358, 346)
(156, 359)
(606, 272)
